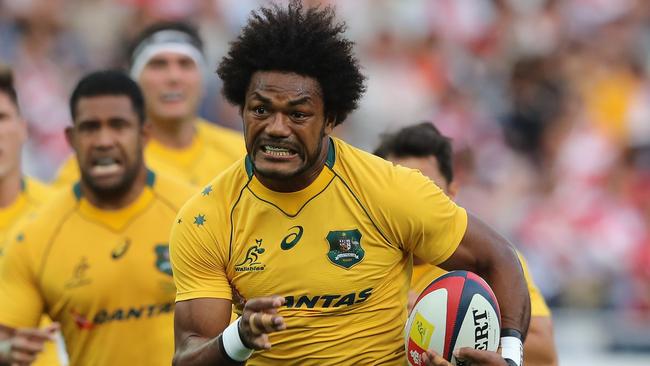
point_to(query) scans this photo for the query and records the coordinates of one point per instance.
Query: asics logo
(292, 239)
(121, 249)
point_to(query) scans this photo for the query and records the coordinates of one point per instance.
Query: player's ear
(69, 136)
(241, 115)
(329, 125)
(22, 130)
(146, 131)
(452, 189)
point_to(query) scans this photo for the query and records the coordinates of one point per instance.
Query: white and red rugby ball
(456, 310)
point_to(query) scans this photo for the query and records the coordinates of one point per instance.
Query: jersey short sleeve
(538, 306)
(421, 218)
(198, 255)
(22, 303)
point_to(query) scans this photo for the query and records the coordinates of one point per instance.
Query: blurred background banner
(547, 102)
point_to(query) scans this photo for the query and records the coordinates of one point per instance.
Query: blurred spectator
(47, 60)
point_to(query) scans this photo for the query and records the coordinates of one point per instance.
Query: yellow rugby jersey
(338, 251)
(104, 275)
(423, 274)
(213, 149)
(538, 306)
(32, 195)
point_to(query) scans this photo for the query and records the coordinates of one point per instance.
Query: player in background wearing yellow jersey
(168, 63)
(95, 258)
(19, 195)
(316, 235)
(424, 148)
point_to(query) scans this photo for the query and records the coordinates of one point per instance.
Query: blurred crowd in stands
(547, 102)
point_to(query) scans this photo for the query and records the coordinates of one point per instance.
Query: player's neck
(176, 134)
(10, 187)
(119, 201)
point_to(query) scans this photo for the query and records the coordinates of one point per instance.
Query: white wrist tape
(5, 350)
(232, 343)
(512, 349)
(61, 351)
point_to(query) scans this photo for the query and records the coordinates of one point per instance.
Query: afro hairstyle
(306, 42)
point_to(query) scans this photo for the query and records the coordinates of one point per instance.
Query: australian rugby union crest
(345, 248)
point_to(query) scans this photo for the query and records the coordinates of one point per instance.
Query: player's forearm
(199, 351)
(506, 278)
(499, 264)
(539, 348)
(504, 273)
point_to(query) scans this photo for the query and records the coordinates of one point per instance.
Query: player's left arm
(486, 253)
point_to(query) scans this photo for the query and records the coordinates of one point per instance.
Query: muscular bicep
(478, 248)
(200, 318)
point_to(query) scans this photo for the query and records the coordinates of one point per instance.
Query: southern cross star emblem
(199, 220)
(206, 191)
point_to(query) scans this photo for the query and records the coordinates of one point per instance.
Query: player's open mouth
(105, 166)
(172, 97)
(279, 152)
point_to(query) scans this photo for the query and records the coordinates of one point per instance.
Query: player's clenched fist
(476, 358)
(260, 317)
(25, 345)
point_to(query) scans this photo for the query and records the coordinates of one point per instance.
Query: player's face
(108, 139)
(285, 126)
(428, 166)
(13, 132)
(171, 84)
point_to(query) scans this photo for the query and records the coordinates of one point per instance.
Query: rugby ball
(456, 310)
